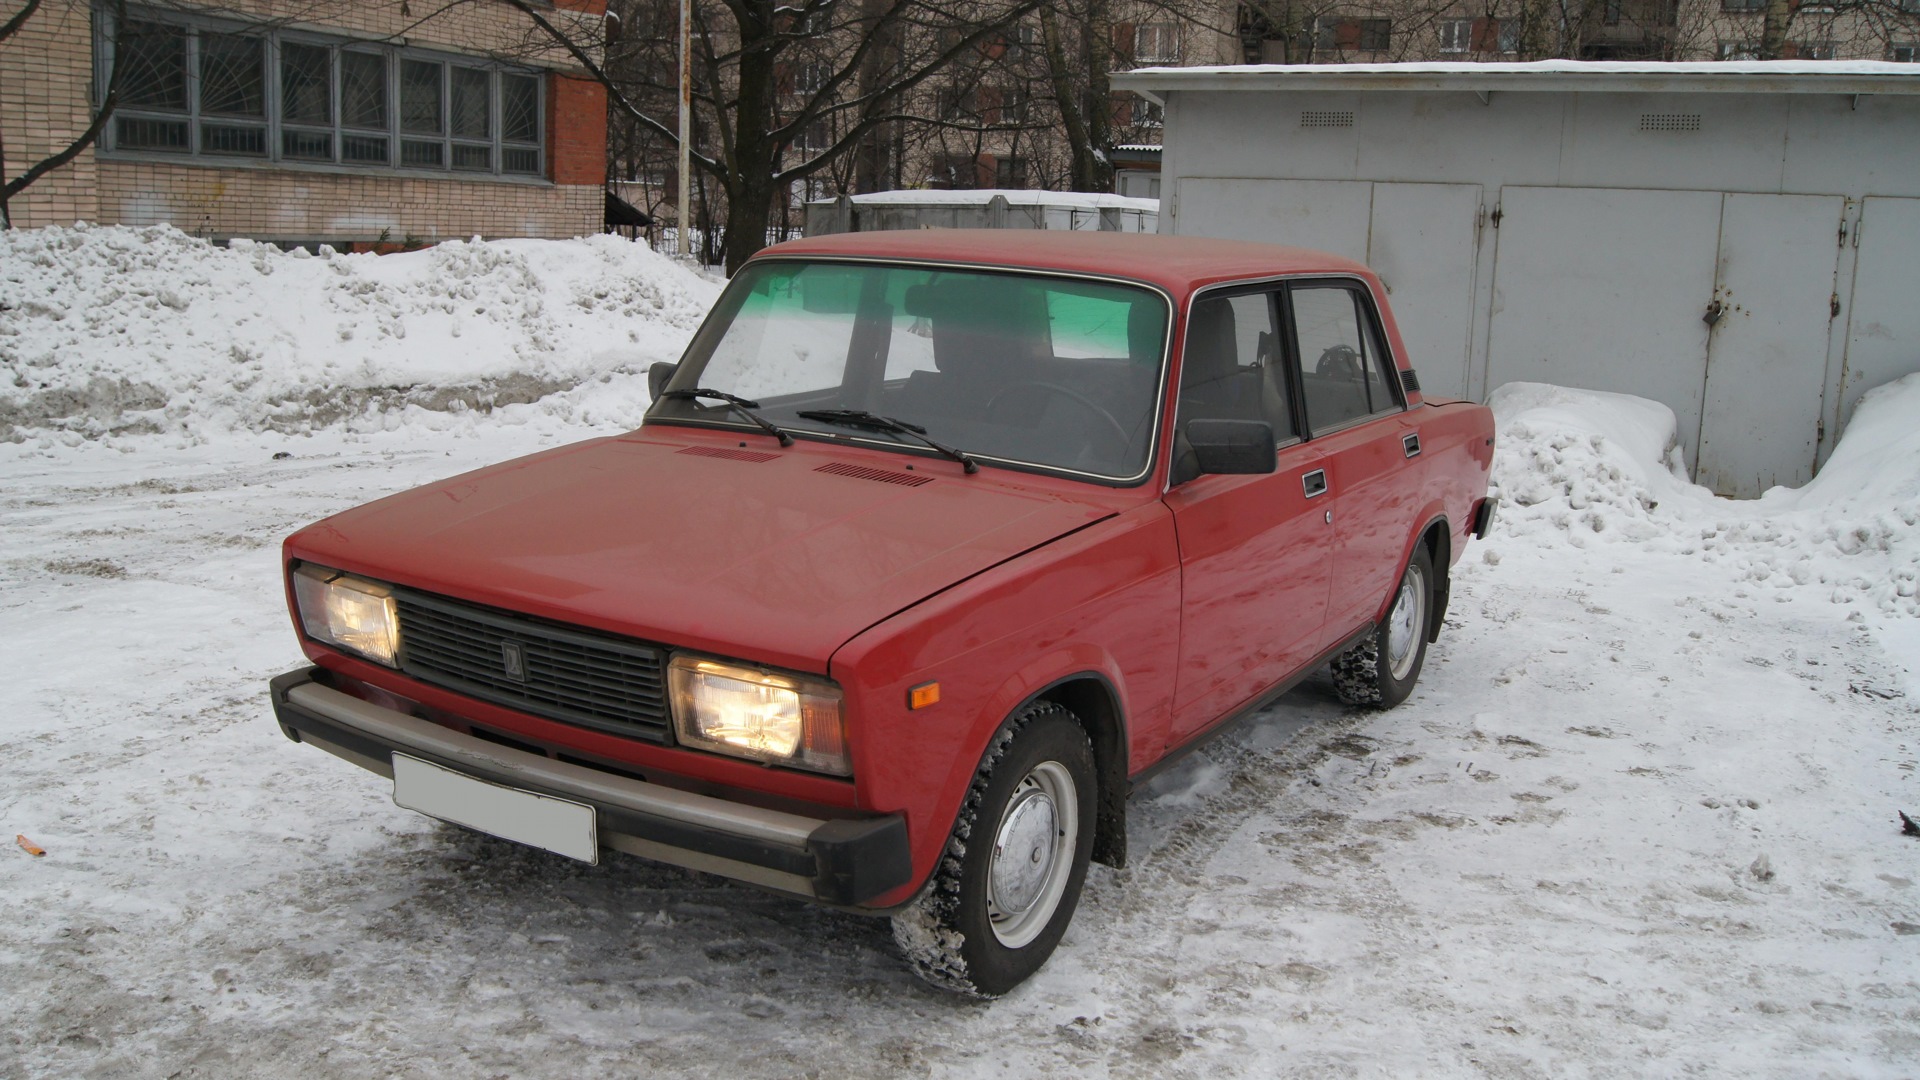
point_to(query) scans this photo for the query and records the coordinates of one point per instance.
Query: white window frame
(1456, 35)
(1156, 43)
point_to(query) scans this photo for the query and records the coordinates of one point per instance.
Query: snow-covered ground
(1638, 818)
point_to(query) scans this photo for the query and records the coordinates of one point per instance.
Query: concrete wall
(1580, 238)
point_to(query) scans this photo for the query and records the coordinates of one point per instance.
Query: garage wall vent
(725, 452)
(1669, 121)
(884, 476)
(1326, 118)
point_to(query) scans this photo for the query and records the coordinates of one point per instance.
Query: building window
(1156, 43)
(225, 91)
(1366, 35)
(1743, 5)
(1456, 35)
(1015, 104)
(1023, 42)
(1812, 50)
(811, 78)
(954, 172)
(813, 137)
(1010, 172)
(1904, 54)
(1507, 35)
(1148, 114)
(1737, 50)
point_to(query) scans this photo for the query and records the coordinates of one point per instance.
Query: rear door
(1254, 550)
(1356, 417)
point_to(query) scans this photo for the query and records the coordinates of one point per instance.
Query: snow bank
(119, 330)
(1585, 468)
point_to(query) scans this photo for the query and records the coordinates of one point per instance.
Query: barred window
(217, 89)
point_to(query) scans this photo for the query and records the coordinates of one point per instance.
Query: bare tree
(782, 93)
(102, 111)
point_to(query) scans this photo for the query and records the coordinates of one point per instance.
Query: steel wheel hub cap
(1033, 854)
(1403, 624)
(1024, 851)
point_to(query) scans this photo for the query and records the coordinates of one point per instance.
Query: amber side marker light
(923, 695)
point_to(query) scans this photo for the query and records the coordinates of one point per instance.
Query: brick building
(351, 122)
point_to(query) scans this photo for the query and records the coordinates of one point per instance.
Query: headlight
(356, 614)
(764, 716)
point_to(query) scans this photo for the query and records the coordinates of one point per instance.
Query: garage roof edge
(1551, 76)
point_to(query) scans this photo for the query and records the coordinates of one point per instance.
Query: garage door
(1422, 239)
(1604, 290)
(1326, 215)
(1883, 330)
(1424, 244)
(1766, 362)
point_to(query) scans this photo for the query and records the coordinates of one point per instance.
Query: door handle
(1314, 483)
(1411, 444)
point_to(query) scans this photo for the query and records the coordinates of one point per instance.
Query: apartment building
(1375, 31)
(360, 124)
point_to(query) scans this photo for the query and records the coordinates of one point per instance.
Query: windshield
(1023, 368)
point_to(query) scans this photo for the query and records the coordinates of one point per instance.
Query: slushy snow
(1637, 819)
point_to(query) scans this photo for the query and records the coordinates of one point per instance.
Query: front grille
(586, 677)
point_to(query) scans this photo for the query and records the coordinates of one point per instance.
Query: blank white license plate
(527, 817)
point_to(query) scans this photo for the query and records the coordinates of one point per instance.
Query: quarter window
(212, 89)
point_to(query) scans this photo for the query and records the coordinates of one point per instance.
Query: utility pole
(685, 212)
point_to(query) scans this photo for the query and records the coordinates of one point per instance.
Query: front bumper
(843, 861)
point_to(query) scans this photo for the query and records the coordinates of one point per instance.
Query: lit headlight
(764, 716)
(356, 614)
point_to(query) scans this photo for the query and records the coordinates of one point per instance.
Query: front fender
(1104, 600)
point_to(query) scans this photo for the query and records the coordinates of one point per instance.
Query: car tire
(1381, 670)
(1007, 884)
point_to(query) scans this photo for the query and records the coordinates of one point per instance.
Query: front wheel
(1008, 882)
(1382, 669)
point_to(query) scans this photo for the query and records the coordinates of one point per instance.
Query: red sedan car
(929, 549)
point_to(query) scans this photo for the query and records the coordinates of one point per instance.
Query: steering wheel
(1341, 361)
(1074, 396)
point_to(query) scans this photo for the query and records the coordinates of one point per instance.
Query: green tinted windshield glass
(1024, 368)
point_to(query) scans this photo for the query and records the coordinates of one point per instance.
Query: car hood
(775, 555)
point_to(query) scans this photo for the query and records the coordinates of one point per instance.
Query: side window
(1340, 357)
(1231, 367)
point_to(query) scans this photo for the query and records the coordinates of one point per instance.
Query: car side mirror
(1232, 446)
(657, 378)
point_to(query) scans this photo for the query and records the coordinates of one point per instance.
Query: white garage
(1738, 240)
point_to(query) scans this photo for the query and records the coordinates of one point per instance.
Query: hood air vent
(729, 454)
(884, 476)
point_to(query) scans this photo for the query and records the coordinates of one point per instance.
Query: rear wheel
(1010, 878)
(1382, 669)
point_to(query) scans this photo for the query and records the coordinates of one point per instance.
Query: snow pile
(1584, 468)
(139, 330)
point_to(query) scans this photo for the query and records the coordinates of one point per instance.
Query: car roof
(1180, 264)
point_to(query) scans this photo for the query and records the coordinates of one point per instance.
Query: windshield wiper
(743, 406)
(876, 422)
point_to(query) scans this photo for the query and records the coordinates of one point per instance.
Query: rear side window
(1342, 366)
